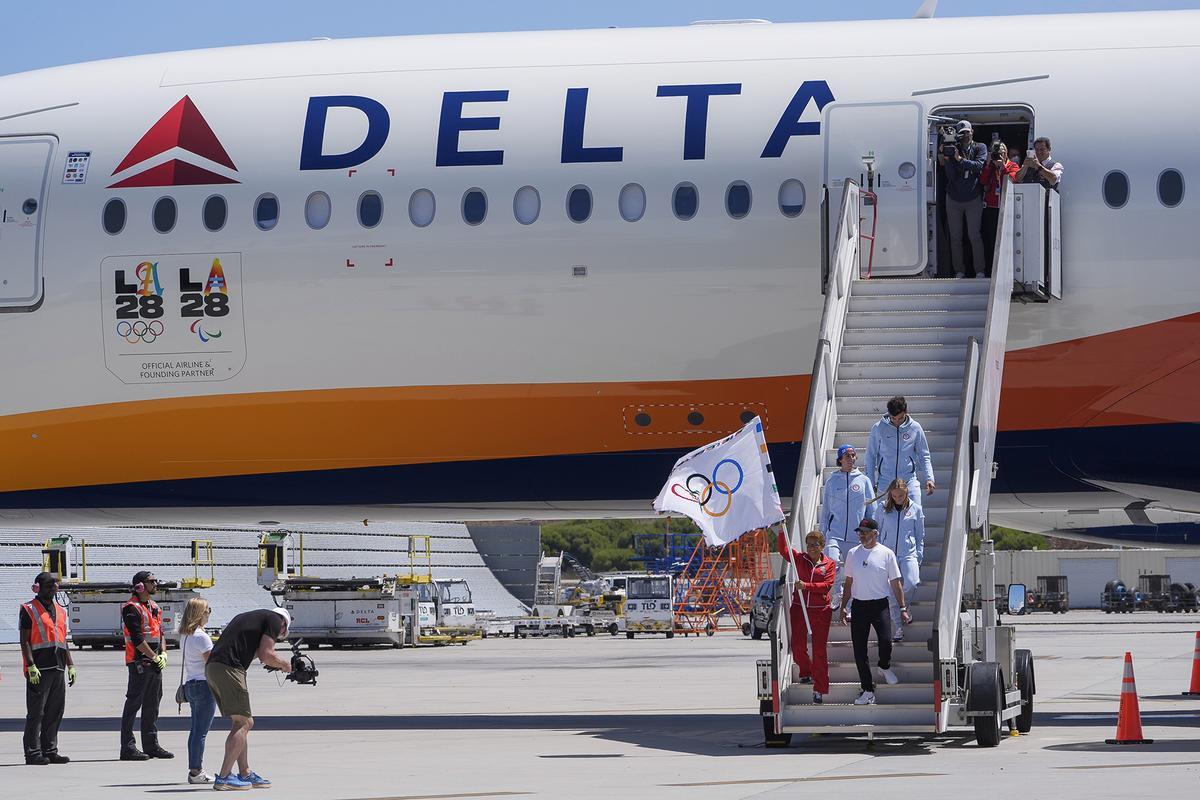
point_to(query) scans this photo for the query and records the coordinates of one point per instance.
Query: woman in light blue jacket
(902, 530)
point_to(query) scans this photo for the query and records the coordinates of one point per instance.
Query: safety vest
(46, 633)
(151, 627)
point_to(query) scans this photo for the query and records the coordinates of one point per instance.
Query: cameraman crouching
(250, 634)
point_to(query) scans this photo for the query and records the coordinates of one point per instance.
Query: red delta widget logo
(183, 134)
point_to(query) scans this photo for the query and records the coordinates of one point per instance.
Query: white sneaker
(865, 699)
(960, 275)
(203, 777)
(888, 676)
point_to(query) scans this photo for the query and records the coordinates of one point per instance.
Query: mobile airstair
(940, 343)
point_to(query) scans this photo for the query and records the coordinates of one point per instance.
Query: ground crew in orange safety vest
(145, 658)
(48, 668)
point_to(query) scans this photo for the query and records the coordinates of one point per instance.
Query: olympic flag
(726, 487)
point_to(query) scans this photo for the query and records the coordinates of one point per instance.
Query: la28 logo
(197, 304)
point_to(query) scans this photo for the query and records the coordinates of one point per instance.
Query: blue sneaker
(255, 780)
(230, 783)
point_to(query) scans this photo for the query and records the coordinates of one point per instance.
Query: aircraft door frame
(23, 194)
(893, 137)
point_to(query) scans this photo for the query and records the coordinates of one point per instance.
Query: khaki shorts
(228, 685)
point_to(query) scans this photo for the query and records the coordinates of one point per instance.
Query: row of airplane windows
(422, 207)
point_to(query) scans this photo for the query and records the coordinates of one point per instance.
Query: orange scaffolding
(716, 588)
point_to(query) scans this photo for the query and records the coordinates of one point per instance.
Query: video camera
(304, 669)
(947, 140)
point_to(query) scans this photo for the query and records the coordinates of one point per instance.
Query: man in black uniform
(44, 653)
(145, 658)
(249, 635)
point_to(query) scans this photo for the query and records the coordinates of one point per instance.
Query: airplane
(516, 275)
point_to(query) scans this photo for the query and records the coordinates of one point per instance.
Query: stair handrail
(995, 342)
(819, 425)
(967, 505)
(954, 534)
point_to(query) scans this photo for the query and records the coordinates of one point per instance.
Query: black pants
(991, 220)
(143, 694)
(864, 615)
(44, 706)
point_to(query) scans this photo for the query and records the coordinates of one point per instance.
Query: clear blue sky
(52, 32)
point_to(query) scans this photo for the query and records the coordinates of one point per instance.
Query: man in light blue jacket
(902, 530)
(848, 499)
(897, 448)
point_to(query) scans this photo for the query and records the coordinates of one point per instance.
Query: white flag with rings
(726, 487)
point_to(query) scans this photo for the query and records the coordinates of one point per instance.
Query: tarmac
(610, 717)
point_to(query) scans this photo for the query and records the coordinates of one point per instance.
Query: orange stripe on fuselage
(198, 437)
(1144, 375)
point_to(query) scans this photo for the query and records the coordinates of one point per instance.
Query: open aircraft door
(24, 177)
(883, 147)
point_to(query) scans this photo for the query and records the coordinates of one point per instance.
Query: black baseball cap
(142, 577)
(867, 525)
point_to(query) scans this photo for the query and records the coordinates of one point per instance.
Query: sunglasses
(811, 545)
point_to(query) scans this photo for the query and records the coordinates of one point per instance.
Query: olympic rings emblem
(140, 331)
(700, 488)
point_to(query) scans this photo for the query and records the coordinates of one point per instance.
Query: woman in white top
(196, 644)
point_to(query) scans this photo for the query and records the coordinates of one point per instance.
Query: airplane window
(1116, 189)
(737, 199)
(579, 204)
(266, 212)
(421, 207)
(631, 202)
(527, 205)
(1170, 188)
(791, 198)
(370, 209)
(113, 217)
(474, 206)
(214, 213)
(685, 201)
(318, 209)
(164, 214)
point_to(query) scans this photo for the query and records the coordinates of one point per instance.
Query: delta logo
(184, 134)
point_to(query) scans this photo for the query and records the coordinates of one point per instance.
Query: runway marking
(814, 779)
(584, 755)
(446, 796)
(1131, 766)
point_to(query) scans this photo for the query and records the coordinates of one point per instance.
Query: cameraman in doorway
(962, 163)
(249, 635)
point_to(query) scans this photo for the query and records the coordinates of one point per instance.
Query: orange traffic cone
(1129, 720)
(1195, 690)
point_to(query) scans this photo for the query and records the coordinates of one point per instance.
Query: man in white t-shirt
(872, 573)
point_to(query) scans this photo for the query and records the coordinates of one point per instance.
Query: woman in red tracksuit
(816, 572)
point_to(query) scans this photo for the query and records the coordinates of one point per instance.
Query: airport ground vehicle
(762, 609)
(1182, 598)
(649, 605)
(1052, 594)
(95, 606)
(346, 611)
(1117, 598)
(1155, 592)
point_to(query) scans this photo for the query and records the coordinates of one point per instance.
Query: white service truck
(649, 605)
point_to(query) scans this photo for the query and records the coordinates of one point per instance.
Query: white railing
(820, 423)
(995, 340)
(954, 536)
(970, 483)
